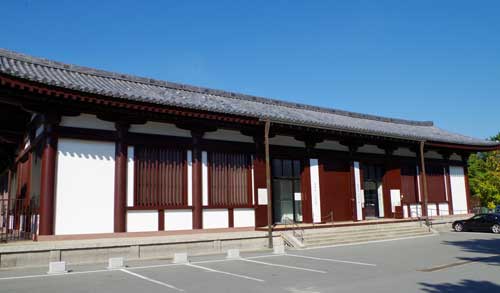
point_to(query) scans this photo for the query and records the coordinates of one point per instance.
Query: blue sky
(424, 60)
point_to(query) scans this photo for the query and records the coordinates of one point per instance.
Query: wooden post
(197, 181)
(424, 178)
(120, 203)
(48, 174)
(268, 187)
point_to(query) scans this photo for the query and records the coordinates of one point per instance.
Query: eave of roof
(147, 90)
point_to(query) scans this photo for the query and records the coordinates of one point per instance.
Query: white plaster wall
(244, 218)
(85, 187)
(160, 129)
(404, 152)
(432, 209)
(286, 141)
(87, 121)
(358, 191)
(331, 145)
(433, 155)
(458, 191)
(253, 181)
(215, 218)
(178, 220)
(455, 157)
(444, 209)
(130, 176)
(415, 210)
(204, 177)
(190, 177)
(142, 221)
(315, 192)
(405, 211)
(228, 135)
(371, 149)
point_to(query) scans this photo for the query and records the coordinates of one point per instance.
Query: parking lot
(449, 262)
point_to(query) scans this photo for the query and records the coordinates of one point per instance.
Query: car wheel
(495, 229)
(458, 227)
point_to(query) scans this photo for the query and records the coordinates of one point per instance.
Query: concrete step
(360, 236)
(324, 242)
(361, 232)
(374, 227)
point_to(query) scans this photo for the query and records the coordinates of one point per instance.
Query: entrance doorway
(287, 196)
(374, 205)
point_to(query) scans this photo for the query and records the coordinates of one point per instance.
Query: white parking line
(152, 280)
(225, 273)
(333, 260)
(283, 266)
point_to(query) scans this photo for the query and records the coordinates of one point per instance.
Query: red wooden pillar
(120, 206)
(48, 174)
(259, 167)
(197, 181)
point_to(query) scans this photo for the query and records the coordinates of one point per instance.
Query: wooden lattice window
(160, 177)
(230, 179)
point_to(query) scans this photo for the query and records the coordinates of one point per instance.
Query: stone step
(323, 242)
(361, 228)
(365, 231)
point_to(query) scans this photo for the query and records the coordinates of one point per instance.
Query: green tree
(484, 176)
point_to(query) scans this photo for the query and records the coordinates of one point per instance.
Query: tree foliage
(484, 176)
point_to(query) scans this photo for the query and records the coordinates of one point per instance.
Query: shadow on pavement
(463, 286)
(489, 247)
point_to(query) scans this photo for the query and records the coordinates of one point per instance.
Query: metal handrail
(298, 232)
(329, 216)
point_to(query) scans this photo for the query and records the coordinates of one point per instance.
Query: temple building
(86, 151)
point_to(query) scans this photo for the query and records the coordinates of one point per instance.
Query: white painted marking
(152, 280)
(283, 266)
(225, 273)
(333, 260)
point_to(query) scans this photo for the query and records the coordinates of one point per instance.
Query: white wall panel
(215, 218)
(85, 187)
(160, 129)
(405, 211)
(432, 209)
(359, 193)
(87, 121)
(130, 176)
(244, 218)
(253, 181)
(286, 141)
(315, 192)
(444, 209)
(415, 210)
(458, 191)
(204, 176)
(178, 220)
(190, 177)
(228, 135)
(142, 221)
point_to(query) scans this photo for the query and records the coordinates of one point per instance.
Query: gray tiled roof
(172, 94)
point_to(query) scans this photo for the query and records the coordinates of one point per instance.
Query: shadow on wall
(87, 150)
(463, 286)
(489, 247)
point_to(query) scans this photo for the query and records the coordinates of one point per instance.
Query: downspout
(424, 179)
(268, 186)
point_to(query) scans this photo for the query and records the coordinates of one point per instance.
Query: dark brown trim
(120, 202)
(47, 181)
(162, 207)
(231, 217)
(161, 220)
